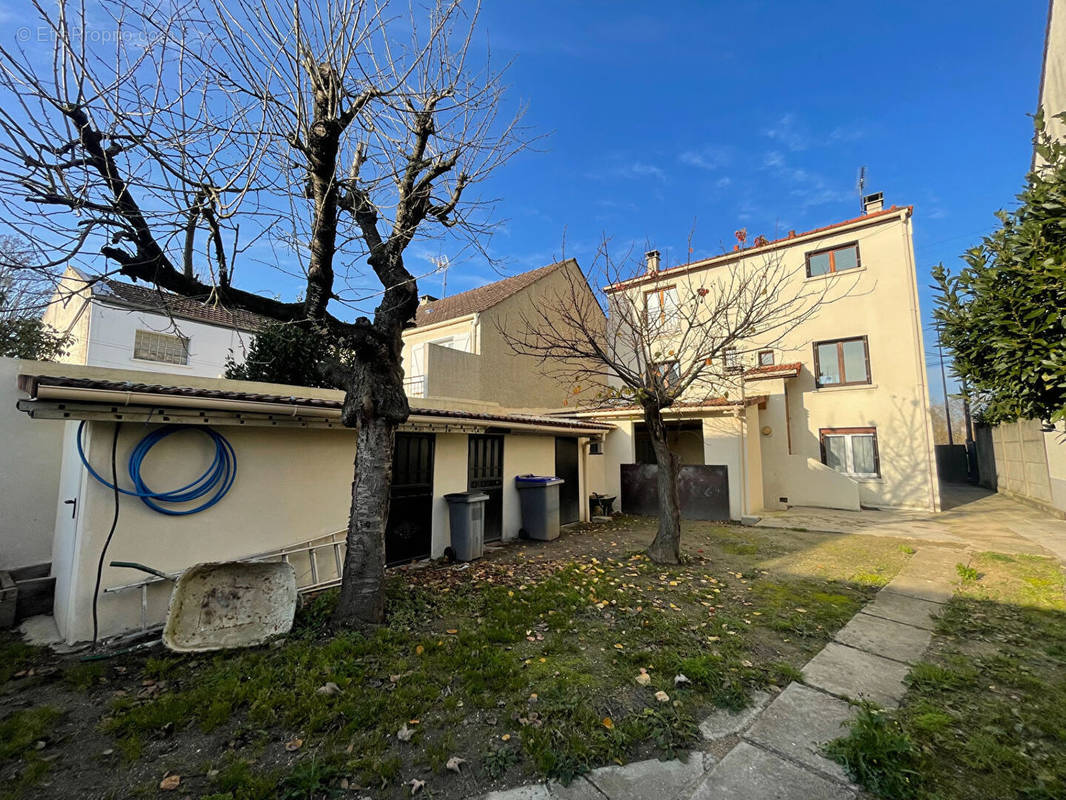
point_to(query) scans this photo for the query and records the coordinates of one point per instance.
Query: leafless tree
(670, 336)
(178, 144)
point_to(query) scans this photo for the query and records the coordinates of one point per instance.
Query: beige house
(832, 413)
(292, 488)
(454, 348)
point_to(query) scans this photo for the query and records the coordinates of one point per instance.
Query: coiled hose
(218, 478)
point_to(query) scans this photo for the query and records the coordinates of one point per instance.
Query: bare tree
(178, 144)
(670, 336)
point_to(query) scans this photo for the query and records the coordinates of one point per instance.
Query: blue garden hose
(218, 477)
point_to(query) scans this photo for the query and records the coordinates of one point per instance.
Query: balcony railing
(415, 386)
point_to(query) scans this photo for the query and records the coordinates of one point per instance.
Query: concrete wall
(1053, 79)
(449, 475)
(722, 444)
(29, 475)
(1031, 463)
(452, 373)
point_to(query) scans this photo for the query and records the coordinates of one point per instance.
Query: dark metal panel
(409, 533)
(566, 467)
(704, 491)
(485, 465)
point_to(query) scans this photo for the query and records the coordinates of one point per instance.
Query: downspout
(923, 389)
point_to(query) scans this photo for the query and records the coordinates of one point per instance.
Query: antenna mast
(443, 262)
(862, 186)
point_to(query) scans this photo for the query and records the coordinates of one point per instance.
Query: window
(668, 371)
(852, 451)
(661, 306)
(731, 360)
(766, 358)
(163, 347)
(842, 362)
(833, 259)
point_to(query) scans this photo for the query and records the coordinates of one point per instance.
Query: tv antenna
(862, 186)
(442, 263)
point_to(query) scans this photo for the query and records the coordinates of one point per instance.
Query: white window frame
(848, 435)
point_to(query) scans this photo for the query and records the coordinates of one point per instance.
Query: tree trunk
(666, 547)
(362, 599)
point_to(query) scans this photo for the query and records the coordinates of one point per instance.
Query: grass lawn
(984, 717)
(543, 660)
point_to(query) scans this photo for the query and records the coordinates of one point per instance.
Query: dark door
(704, 491)
(409, 534)
(485, 462)
(566, 468)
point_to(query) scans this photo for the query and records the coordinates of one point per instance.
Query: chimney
(652, 260)
(873, 202)
(426, 299)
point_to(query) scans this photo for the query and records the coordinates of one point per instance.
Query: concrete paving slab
(857, 674)
(579, 789)
(726, 723)
(799, 723)
(883, 637)
(751, 773)
(933, 589)
(650, 780)
(534, 791)
(904, 608)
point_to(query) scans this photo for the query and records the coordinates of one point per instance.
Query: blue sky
(672, 117)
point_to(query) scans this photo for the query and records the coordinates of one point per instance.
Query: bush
(878, 754)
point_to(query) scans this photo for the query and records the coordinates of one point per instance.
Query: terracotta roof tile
(163, 302)
(29, 384)
(774, 371)
(480, 299)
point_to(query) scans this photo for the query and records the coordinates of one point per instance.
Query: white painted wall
(112, 331)
(449, 475)
(29, 477)
(722, 445)
(522, 455)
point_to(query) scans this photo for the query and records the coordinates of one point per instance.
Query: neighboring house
(1027, 459)
(835, 415)
(455, 349)
(129, 326)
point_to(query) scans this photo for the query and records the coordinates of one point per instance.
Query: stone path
(772, 750)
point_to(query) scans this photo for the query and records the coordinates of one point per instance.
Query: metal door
(409, 533)
(485, 461)
(704, 491)
(566, 468)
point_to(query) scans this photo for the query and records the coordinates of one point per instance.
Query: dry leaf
(405, 733)
(643, 679)
(419, 650)
(417, 786)
(170, 783)
(608, 723)
(662, 697)
(454, 763)
(681, 679)
(329, 689)
(294, 744)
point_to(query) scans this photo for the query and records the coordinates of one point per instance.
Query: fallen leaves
(681, 679)
(608, 723)
(662, 696)
(294, 744)
(643, 678)
(329, 689)
(455, 763)
(405, 733)
(416, 786)
(170, 783)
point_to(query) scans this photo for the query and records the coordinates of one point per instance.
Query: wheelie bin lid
(530, 481)
(466, 497)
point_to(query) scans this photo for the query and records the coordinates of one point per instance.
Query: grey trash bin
(466, 512)
(540, 505)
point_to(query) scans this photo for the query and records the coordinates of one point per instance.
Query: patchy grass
(986, 713)
(543, 661)
(20, 732)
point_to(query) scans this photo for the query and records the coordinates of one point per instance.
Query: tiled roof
(726, 258)
(175, 305)
(678, 405)
(774, 371)
(30, 383)
(480, 299)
